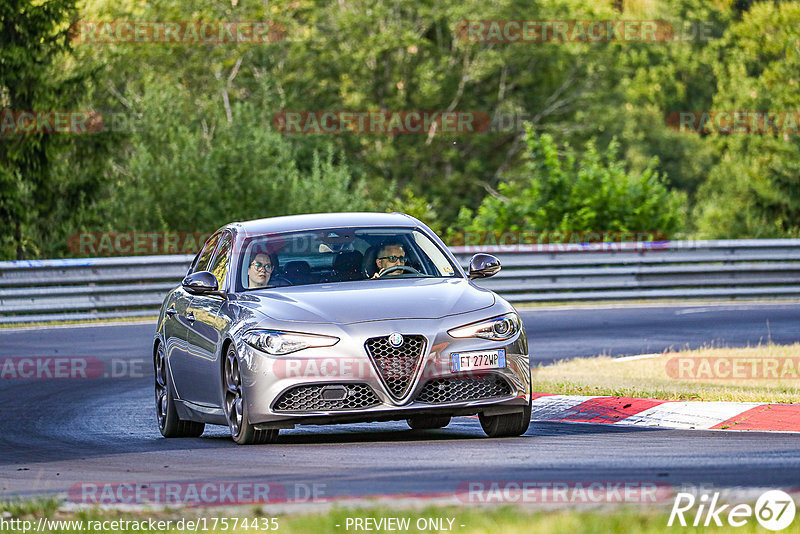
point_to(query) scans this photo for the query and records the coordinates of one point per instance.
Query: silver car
(336, 318)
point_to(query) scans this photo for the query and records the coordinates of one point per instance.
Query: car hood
(370, 300)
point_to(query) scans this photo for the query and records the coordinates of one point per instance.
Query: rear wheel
(170, 425)
(242, 431)
(427, 422)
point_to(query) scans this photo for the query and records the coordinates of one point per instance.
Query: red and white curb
(700, 415)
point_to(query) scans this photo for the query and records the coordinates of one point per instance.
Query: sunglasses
(394, 258)
(259, 265)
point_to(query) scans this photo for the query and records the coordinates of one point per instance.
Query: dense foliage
(577, 193)
(578, 139)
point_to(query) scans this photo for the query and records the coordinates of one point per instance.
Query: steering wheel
(278, 281)
(398, 268)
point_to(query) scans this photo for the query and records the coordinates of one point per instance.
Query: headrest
(370, 267)
(348, 261)
(297, 267)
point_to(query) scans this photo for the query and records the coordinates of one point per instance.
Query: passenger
(390, 255)
(260, 270)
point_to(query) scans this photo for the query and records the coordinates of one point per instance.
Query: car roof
(315, 221)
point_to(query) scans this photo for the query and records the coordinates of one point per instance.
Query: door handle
(172, 312)
(190, 317)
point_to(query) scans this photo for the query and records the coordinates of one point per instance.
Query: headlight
(279, 343)
(497, 329)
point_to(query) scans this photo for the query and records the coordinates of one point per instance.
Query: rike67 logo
(774, 510)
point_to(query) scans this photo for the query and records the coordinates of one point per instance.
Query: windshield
(340, 255)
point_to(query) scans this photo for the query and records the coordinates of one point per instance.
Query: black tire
(506, 425)
(170, 425)
(428, 422)
(242, 431)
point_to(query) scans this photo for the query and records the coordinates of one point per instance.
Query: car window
(207, 253)
(440, 261)
(220, 266)
(342, 255)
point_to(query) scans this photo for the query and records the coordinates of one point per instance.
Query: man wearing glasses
(390, 255)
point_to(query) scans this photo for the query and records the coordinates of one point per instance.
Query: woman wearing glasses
(261, 270)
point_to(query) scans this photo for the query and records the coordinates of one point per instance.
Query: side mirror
(483, 266)
(201, 283)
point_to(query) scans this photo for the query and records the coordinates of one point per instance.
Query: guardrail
(48, 290)
(88, 288)
(645, 270)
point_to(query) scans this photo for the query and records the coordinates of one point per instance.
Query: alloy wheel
(161, 385)
(233, 392)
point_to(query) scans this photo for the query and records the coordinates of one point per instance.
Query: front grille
(396, 366)
(442, 390)
(310, 398)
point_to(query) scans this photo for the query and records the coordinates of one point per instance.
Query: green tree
(44, 177)
(656, 79)
(187, 172)
(410, 55)
(754, 190)
(572, 192)
(202, 151)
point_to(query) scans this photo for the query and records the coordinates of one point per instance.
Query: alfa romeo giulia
(336, 318)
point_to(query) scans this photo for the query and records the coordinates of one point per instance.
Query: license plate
(479, 359)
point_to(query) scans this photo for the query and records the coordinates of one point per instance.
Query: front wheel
(242, 431)
(168, 422)
(506, 425)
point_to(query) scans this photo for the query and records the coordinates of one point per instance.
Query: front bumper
(347, 366)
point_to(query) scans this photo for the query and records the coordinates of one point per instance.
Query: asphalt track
(56, 433)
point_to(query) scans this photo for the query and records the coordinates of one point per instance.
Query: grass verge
(657, 302)
(769, 373)
(79, 322)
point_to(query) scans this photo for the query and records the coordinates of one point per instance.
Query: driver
(390, 255)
